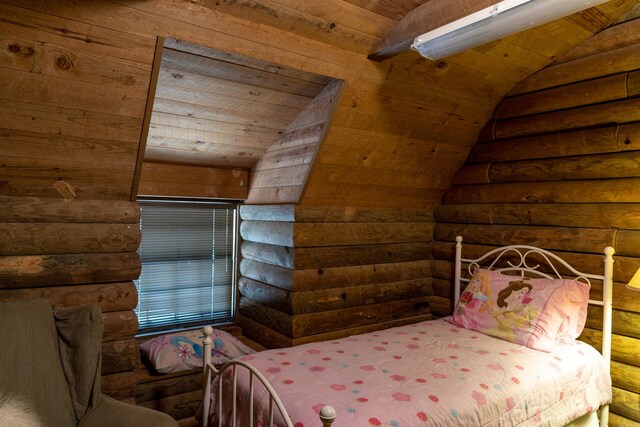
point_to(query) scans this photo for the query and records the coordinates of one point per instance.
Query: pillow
(532, 312)
(183, 351)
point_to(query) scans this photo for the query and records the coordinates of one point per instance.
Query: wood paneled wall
(282, 171)
(319, 273)
(557, 167)
(75, 77)
(169, 180)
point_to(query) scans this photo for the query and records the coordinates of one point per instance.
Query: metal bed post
(607, 291)
(206, 355)
(458, 270)
(327, 413)
(607, 297)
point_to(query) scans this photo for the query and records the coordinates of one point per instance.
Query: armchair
(51, 359)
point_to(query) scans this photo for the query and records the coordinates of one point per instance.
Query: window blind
(188, 262)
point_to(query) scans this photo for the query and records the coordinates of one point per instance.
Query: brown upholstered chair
(50, 358)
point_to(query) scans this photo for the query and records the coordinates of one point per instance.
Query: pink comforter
(433, 373)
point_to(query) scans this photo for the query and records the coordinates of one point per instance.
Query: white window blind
(188, 262)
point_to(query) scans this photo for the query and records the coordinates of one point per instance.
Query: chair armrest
(111, 412)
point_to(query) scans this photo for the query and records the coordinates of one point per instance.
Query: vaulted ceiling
(405, 124)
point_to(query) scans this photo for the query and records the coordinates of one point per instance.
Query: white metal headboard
(523, 255)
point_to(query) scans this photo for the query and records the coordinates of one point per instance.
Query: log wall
(76, 78)
(309, 274)
(73, 252)
(557, 167)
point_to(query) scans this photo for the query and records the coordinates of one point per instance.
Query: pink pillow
(532, 312)
(183, 351)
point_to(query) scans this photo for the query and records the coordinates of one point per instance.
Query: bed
(507, 356)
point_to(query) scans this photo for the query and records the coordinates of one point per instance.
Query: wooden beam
(42, 238)
(273, 339)
(120, 356)
(596, 215)
(162, 179)
(121, 386)
(54, 270)
(552, 238)
(151, 94)
(110, 296)
(334, 234)
(119, 325)
(334, 277)
(45, 210)
(332, 320)
(624, 267)
(429, 16)
(298, 213)
(312, 301)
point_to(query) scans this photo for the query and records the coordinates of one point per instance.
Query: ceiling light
(494, 22)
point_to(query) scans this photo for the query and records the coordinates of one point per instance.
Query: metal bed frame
(496, 260)
(523, 255)
(327, 413)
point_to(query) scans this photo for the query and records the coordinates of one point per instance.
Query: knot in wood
(64, 63)
(532, 198)
(17, 49)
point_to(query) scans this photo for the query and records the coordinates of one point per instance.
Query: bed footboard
(327, 413)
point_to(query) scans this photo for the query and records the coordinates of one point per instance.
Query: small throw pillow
(532, 312)
(183, 351)
(16, 413)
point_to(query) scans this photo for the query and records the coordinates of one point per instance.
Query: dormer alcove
(227, 126)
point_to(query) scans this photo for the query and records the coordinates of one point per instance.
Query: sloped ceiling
(213, 108)
(404, 125)
(76, 78)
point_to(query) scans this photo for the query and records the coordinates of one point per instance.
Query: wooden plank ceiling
(216, 109)
(404, 125)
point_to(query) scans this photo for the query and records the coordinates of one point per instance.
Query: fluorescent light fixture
(494, 22)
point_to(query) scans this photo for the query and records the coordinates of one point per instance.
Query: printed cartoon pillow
(183, 351)
(529, 311)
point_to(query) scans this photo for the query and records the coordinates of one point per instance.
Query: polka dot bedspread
(428, 374)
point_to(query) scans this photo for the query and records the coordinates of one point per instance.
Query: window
(188, 264)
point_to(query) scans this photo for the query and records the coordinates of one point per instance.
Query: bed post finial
(206, 344)
(327, 415)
